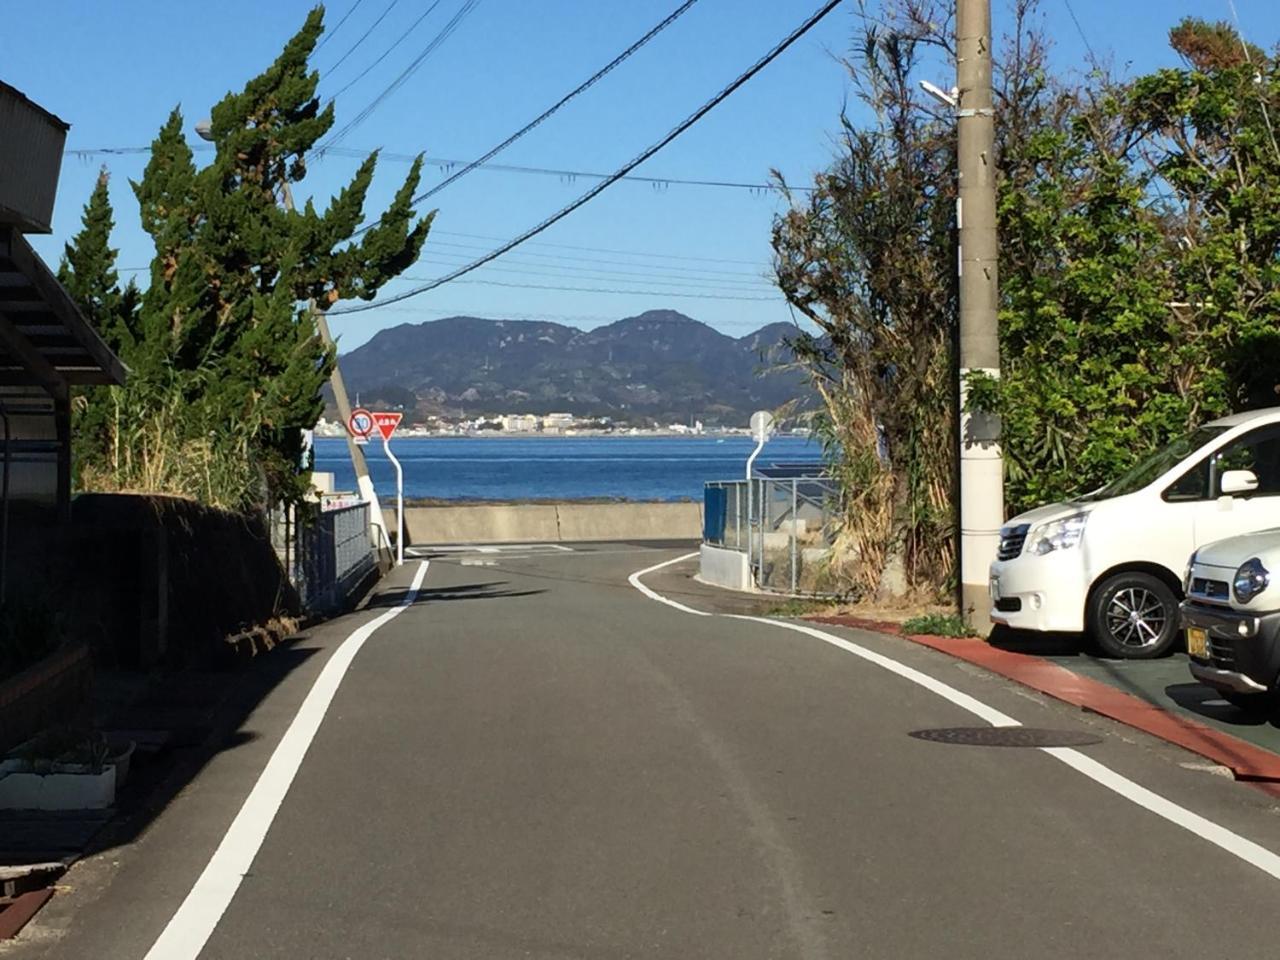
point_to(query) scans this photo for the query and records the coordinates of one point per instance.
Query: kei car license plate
(1198, 643)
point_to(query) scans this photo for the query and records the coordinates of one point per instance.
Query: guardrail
(785, 526)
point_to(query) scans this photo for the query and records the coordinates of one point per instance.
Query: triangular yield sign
(387, 422)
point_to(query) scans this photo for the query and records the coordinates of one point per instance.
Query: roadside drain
(1006, 737)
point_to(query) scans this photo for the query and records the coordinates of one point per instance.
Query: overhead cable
(599, 188)
(541, 286)
(328, 34)
(404, 35)
(585, 85)
(569, 175)
(445, 32)
(363, 37)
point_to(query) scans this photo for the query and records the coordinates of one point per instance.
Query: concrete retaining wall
(725, 568)
(550, 523)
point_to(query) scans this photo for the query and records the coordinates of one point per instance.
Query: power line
(540, 286)
(1093, 58)
(546, 271)
(364, 36)
(624, 253)
(445, 32)
(385, 53)
(1257, 79)
(599, 188)
(586, 84)
(587, 273)
(755, 274)
(562, 173)
(758, 188)
(337, 26)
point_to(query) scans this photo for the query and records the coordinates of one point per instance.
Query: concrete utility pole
(364, 483)
(981, 468)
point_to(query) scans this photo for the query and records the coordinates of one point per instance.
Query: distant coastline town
(548, 425)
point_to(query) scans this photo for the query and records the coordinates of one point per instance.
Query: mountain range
(660, 365)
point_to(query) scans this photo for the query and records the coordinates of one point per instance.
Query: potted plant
(61, 769)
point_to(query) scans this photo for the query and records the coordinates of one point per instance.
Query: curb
(1247, 762)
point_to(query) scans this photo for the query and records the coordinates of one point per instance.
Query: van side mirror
(1239, 481)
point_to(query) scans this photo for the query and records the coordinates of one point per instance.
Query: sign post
(762, 424)
(361, 427)
(386, 423)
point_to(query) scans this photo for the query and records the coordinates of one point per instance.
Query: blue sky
(114, 70)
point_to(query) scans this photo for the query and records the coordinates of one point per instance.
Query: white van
(1111, 562)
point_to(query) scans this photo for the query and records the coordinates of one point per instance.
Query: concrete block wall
(550, 522)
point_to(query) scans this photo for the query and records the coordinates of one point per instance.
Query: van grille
(1210, 589)
(1222, 653)
(1011, 541)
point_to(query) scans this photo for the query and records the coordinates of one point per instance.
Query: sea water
(558, 468)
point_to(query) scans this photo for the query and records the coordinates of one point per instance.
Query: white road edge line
(1247, 850)
(634, 580)
(189, 929)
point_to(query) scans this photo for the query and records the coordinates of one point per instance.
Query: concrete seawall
(550, 522)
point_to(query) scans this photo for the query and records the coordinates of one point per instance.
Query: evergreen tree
(229, 340)
(88, 271)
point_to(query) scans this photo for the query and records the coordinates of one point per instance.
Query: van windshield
(1145, 471)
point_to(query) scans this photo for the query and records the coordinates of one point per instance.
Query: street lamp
(948, 98)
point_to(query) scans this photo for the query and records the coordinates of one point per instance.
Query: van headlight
(1251, 579)
(1186, 574)
(1057, 535)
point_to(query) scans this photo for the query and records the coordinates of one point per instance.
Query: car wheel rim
(1136, 618)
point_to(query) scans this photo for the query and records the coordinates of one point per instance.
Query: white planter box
(68, 787)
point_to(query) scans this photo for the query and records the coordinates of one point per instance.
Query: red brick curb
(15, 914)
(1245, 760)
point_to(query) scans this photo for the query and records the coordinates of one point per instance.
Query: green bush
(938, 625)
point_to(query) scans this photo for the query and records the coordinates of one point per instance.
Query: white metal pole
(761, 439)
(386, 448)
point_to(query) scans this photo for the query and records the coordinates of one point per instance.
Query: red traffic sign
(387, 423)
(360, 423)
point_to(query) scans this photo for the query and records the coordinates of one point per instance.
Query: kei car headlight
(1057, 535)
(1251, 579)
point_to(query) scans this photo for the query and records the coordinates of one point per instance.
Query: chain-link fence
(784, 525)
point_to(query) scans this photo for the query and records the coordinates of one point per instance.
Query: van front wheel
(1133, 616)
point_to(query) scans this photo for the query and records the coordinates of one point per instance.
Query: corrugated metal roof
(44, 339)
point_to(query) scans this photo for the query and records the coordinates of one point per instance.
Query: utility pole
(981, 467)
(364, 483)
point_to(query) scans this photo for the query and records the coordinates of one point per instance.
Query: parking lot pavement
(1168, 684)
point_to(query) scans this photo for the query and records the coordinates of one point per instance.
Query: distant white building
(557, 421)
(519, 423)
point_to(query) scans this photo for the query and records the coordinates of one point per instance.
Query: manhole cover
(1006, 737)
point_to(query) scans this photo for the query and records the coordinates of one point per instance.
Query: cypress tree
(88, 271)
(226, 317)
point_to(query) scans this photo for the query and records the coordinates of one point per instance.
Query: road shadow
(1209, 704)
(471, 591)
(178, 721)
(1037, 644)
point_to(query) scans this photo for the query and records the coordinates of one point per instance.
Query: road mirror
(762, 425)
(1239, 481)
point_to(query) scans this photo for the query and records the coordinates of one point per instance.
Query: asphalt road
(534, 759)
